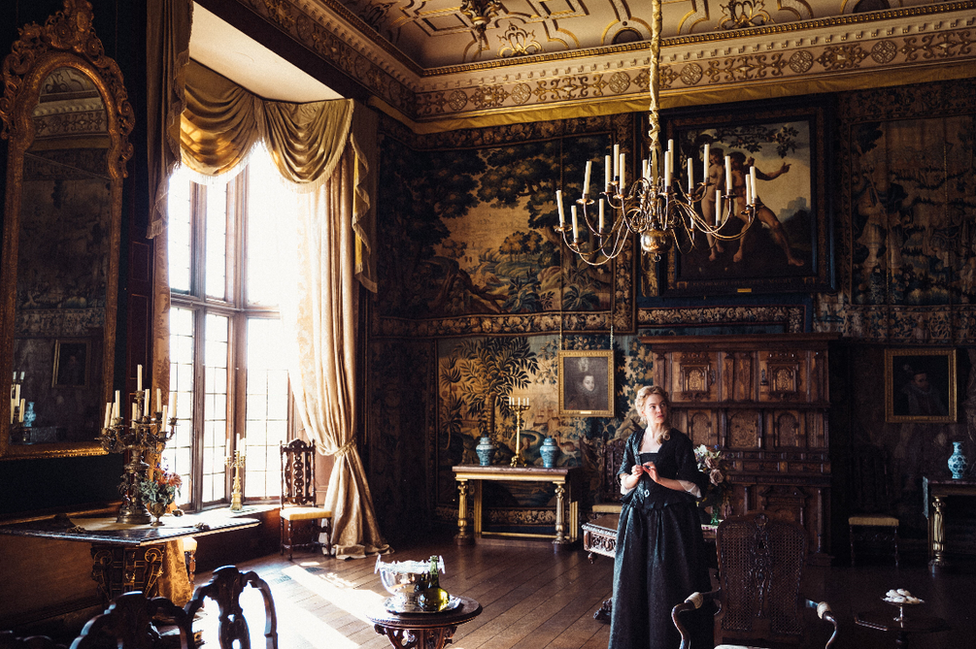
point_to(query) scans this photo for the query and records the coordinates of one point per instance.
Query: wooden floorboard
(536, 599)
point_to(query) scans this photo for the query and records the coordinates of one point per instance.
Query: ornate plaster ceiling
(422, 59)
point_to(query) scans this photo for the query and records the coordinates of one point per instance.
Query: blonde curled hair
(643, 395)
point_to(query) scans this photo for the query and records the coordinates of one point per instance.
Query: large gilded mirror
(67, 120)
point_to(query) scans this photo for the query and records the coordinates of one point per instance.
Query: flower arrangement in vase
(158, 491)
(714, 503)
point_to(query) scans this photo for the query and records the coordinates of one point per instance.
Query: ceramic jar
(957, 461)
(485, 450)
(549, 452)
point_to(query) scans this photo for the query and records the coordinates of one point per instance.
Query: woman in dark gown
(661, 555)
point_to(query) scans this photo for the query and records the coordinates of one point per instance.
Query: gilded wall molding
(839, 53)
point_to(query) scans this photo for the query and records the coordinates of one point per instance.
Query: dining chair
(298, 499)
(134, 621)
(225, 588)
(871, 517)
(760, 565)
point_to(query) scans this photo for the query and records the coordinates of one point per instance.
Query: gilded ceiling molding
(830, 54)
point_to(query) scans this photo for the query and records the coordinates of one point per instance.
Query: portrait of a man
(70, 364)
(920, 385)
(586, 383)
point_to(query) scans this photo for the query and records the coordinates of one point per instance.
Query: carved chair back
(133, 621)
(225, 588)
(9, 641)
(760, 564)
(298, 473)
(613, 455)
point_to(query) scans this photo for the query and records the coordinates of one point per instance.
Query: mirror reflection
(63, 265)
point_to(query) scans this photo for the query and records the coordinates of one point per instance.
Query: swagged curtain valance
(322, 149)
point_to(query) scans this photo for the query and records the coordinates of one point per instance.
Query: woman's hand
(651, 470)
(629, 480)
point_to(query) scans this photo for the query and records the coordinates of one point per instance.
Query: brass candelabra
(237, 461)
(518, 405)
(143, 434)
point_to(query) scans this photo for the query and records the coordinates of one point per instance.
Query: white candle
(562, 218)
(146, 402)
(108, 415)
(163, 418)
(601, 216)
(159, 397)
(243, 446)
(586, 177)
(115, 410)
(623, 170)
(752, 175)
(17, 392)
(705, 164)
(616, 160)
(139, 377)
(23, 405)
(608, 175)
(135, 412)
(175, 394)
(667, 171)
(575, 228)
(748, 190)
(227, 453)
(728, 175)
(646, 169)
(718, 207)
(691, 177)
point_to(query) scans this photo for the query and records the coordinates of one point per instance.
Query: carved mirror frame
(66, 40)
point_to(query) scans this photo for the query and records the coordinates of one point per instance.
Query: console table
(470, 476)
(127, 557)
(935, 491)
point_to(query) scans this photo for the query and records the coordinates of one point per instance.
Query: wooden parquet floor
(535, 599)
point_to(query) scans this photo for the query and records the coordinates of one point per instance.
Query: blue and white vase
(485, 450)
(957, 461)
(29, 415)
(549, 452)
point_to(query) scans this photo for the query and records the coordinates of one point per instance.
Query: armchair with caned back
(760, 565)
(298, 500)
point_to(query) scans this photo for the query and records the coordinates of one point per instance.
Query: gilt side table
(423, 630)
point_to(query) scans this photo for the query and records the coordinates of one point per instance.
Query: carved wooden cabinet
(765, 399)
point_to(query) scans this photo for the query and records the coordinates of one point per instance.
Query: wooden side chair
(225, 588)
(298, 499)
(134, 621)
(871, 517)
(760, 564)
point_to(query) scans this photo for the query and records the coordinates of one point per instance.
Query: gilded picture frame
(788, 246)
(72, 358)
(586, 383)
(920, 385)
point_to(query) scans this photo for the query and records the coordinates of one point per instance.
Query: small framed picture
(71, 361)
(920, 385)
(586, 383)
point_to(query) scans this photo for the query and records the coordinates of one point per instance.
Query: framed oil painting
(787, 246)
(920, 385)
(586, 383)
(71, 358)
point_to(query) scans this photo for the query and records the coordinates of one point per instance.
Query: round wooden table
(423, 630)
(885, 621)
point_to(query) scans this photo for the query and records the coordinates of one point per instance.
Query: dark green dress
(660, 552)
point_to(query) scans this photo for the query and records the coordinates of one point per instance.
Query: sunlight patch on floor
(339, 592)
(317, 633)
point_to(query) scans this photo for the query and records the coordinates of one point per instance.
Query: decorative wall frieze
(794, 55)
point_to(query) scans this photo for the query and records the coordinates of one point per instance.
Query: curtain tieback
(348, 447)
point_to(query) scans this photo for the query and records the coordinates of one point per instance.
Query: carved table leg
(464, 536)
(560, 516)
(938, 535)
(429, 638)
(118, 569)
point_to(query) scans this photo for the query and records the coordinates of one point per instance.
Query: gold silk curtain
(320, 152)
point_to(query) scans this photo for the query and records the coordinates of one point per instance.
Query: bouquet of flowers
(713, 462)
(159, 489)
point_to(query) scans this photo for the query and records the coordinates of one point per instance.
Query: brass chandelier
(656, 207)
